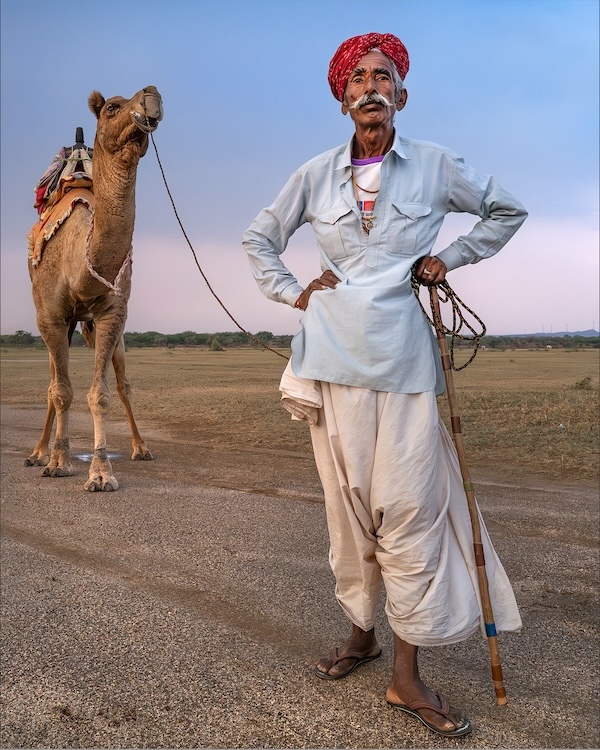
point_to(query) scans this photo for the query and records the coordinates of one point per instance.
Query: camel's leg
(60, 394)
(140, 449)
(101, 477)
(40, 455)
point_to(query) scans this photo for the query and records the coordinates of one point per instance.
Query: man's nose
(370, 86)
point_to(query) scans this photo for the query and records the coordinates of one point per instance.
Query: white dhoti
(397, 513)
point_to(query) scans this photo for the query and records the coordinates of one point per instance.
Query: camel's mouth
(147, 124)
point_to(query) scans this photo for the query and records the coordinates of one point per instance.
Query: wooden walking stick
(488, 615)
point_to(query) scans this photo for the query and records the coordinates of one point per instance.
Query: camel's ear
(95, 102)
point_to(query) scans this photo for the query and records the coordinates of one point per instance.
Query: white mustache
(374, 98)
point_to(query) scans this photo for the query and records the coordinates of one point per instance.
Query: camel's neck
(114, 214)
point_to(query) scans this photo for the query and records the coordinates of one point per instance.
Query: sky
(511, 85)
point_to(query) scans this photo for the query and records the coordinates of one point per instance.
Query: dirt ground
(187, 609)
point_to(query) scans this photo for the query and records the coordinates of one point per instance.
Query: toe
(324, 665)
(343, 666)
(449, 723)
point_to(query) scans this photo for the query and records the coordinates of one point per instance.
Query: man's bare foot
(360, 647)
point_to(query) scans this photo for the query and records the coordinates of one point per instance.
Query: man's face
(372, 76)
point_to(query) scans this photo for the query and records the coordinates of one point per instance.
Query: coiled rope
(458, 319)
(448, 296)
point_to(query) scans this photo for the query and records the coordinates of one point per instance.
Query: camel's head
(124, 124)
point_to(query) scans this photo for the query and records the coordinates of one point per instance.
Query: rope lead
(211, 290)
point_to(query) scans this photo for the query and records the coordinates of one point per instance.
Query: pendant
(368, 222)
(368, 215)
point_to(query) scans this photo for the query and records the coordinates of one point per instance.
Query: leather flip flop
(335, 658)
(443, 710)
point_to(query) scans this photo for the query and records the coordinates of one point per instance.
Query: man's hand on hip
(327, 280)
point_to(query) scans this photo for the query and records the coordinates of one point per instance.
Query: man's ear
(402, 99)
(345, 107)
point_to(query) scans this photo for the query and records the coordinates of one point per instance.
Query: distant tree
(235, 338)
(264, 336)
(24, 338)
(240, 338)
(136, 339)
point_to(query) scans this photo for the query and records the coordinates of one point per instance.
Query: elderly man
(365, 373)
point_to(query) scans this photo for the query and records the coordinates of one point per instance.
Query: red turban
(354, 49)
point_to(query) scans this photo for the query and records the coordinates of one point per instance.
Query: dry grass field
(523, 412)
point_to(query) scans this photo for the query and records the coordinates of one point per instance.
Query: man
(365, 372)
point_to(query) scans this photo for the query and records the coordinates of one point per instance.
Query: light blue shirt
(370, 331)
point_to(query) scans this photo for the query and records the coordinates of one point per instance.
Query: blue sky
(511, 85)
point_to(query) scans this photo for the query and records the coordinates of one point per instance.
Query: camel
(84, 275)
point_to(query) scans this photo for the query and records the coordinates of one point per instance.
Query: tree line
(540, 342)
(228, 340)
(135, 340)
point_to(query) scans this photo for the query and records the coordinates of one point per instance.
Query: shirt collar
(345, 158)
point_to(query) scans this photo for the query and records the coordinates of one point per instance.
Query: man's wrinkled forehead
(373, 60)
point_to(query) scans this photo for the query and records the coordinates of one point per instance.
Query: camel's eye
(112, 108)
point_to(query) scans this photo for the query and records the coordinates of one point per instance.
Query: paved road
(186, 609)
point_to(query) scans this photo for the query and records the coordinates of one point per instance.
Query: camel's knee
(61, 395)
(98, 400)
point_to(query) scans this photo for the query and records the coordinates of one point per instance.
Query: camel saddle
(70, 162)
(67, 181)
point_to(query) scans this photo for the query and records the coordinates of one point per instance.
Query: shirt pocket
(336, 231)
(408, 227)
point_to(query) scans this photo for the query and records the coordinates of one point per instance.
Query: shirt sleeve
(501, 215)
(267, 237)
